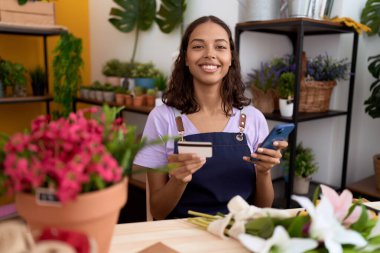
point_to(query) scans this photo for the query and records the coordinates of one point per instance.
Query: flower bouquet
(336, 224)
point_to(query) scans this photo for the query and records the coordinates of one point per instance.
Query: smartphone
(278, 133)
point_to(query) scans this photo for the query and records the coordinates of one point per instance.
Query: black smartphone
(278, 133)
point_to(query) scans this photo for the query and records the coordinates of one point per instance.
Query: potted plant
(108, 93)
(67, 64)
(138, 98)
(119, 95)
(286, 93)
(305, 166)
(113, 71)
(370, 16)
(39, 82)
(128, 98)
(13, 78)
(145, 75)
(150, 97)
(92, 168)
(263, 83)
(84, 92)
(98, 88)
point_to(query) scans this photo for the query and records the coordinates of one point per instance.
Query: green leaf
(361, 223)
(371, 16)
(262, 227)
(22, 2)
(374, 66)
(170, 14)
(133, 14)
(373, 101)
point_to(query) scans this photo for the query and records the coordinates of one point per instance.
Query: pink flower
(69, 155)
(341, 204)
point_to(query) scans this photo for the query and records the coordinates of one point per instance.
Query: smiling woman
(205, 103)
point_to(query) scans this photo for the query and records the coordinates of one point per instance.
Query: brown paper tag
(158, 247)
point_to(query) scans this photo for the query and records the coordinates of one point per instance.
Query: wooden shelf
(35, 30)
(31, 99)
(303, 116)
(365, 188)
(141, 109)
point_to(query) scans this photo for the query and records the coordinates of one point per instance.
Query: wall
(324, 136)
(28, 51)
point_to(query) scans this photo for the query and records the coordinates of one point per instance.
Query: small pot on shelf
(286, 107)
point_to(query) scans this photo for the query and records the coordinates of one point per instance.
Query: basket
(315, 96)
(265, 102)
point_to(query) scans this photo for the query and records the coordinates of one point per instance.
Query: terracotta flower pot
(93, 213)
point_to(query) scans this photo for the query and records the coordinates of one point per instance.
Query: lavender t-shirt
(161, 122)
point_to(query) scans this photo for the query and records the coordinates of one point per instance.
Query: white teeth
(209, 67)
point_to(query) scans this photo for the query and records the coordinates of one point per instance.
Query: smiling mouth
(209, 67)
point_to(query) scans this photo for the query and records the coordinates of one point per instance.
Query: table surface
(365, 187)
(180, 235)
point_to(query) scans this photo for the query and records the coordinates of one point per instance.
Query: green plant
(133, 15)
(145, 70)
(12, 74)
(265, 78)
(151, 92)
(113, 67)
(67, 63)
(138, 91)
(120, 90)
(286, 85)
(170, 15)
(305, 165)
(161, 82)
(371, 17)
(39, 82)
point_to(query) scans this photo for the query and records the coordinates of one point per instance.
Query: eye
(197, 47)
(221, 47)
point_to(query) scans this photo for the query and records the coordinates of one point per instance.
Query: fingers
(280, 144)
(185, 165)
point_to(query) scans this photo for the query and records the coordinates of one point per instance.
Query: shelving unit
(296, 29)
(40, 31)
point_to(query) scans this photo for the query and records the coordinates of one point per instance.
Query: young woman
(205, 102)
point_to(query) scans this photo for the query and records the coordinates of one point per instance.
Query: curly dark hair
(180, 93)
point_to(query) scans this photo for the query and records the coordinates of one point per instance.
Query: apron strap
(179, 123)
(242, 123)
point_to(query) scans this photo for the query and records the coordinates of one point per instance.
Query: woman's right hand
(184, 166)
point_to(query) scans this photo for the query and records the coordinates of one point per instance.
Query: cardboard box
(31, 13)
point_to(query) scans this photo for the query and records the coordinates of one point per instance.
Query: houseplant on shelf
(113, 71)
(371, 16)
(305, 166)
(145, 75)
(67, 64)
(286, 93)
(263, 83)
(61, 170)
(39, 82)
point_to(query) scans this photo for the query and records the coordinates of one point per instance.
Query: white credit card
(203, 149)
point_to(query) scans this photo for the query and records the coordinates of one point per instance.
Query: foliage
(72, 155)
(67, 63)
(336, 223)
(325, 68)
(22, 2)
(373, 102)
(12, 74)
(265, 78)
(133, 15)
(113, 67)
(3, 178)
(371, 16)
(161, 82)
(145, 70)
(138, 91)
(151, 92)
(39, 82)
(170, 15)
(305, 165)
(286, 85)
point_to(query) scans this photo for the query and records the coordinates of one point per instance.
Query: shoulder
(253, 114)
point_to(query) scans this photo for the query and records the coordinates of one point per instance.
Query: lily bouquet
(70, 155)
(335, 225)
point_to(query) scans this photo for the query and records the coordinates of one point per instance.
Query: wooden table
(365, 188)
(179, 235)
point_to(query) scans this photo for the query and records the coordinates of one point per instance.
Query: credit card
(203, 149)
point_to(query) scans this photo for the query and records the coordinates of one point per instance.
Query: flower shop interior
(343, 140)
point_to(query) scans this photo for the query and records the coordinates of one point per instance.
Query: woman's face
(208, 54)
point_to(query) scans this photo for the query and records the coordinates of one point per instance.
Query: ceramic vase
(94, 213)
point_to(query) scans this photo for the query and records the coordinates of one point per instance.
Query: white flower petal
(237, 204)
(375, 230)
(298, 245)
(332, 246)
(253, 243)
(350, 237)
(237, 228)
(305, 203)
(218, 226)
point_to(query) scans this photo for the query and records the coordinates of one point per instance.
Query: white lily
(280, 242)
(325, 227)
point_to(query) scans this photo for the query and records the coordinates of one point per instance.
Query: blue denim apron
(222, 177)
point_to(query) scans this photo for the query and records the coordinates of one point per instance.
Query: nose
(210, 53)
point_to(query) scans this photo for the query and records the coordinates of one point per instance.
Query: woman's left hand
(266, 159)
